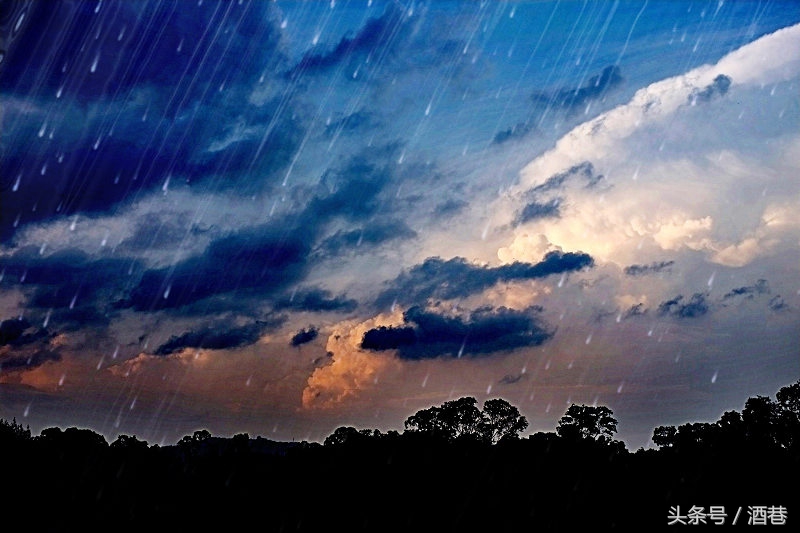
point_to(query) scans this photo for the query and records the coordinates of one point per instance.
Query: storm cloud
(457, 278)
(430, 334)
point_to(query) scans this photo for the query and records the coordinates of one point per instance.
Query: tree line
(455, 467)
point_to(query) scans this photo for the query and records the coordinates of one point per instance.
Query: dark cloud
(716, 88)
(12, 329)
(517, 131)
(652, 268)
(128, 117)
(430, 334)
(188, 59)
(449, 207)
(314, 300)
(368, 236)
(576, 98)
(377, 34)
(33, 360)
(777, 303)
(356, 122)
(260, 260)
(582, 171)
(635, 310)
(304, 336)
(759, 287)
(510, 379)
(388, 338)
(456, 278)
(68, 284)
(218, 337)
(353, 190)
(697, 306)
(536, 210)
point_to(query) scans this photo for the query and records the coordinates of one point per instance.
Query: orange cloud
(353, 370)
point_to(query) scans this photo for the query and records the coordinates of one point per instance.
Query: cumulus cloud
(352, 369)
(662, 186)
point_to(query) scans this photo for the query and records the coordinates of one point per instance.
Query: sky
(278, 218)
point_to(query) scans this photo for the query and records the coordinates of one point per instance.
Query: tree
(587, 422)
(454, 419)
(342, 435)
(760, 417)
(13, 431)
(665, 436)
(129, 443)
(502, 420)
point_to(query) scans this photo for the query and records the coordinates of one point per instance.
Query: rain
(187, 190)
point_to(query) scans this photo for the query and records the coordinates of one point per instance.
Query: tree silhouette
(587, 422)
(501, 420)
(453, 420)
(459, 419)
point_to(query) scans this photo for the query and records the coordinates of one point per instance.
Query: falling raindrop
(72, 302)
(489, 389)
(47, 318)
(589, 338)
(93, 68)
(711, 279)
(116, 352)
(27, 410)
(61, 380)
(425, 381)
(166, 292)
(714, 377)
(619, 389)
(165, 187)
(561, 281)
(133, 403)
(15, 187)
(100, 362)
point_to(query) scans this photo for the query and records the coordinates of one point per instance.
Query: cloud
(314, 300)
(24, 362)
(760, 287)
(716, 88)
(653, 268)
(576, 98)
(708, 191)
(218, 337)
(371, 235)
(260, 260)
(456, 278)
(697, 306)
(351, 370)
(430, 334)
(304, 336)
(176, 112)
(377, 34)
(517, 131)
(536, 210)
(12, 329)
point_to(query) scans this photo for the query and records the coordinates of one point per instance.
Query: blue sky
(283, 217)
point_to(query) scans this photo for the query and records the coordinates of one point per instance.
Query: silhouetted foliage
(587, 422)
(455, 468)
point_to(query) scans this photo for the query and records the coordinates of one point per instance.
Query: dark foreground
(743, 469)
